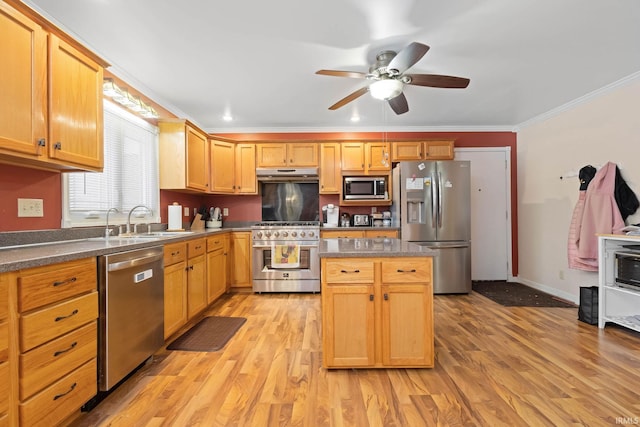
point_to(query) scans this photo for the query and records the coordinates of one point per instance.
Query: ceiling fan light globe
(386, 89)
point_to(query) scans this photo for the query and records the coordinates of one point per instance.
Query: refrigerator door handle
(439, 199)
(434, 201)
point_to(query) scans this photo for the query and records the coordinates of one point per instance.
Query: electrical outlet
(225, 211)
(561, 274)
(186, 211)
(30, 208)
(374, 209)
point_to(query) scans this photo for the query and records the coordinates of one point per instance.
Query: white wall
(605, 127)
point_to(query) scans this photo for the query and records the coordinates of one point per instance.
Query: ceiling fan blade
(407, 57)
(347, 99)
(336, 73)
(399, 104)
(437, 80)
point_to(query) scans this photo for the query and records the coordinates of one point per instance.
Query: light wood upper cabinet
(223, 159)
(330, 178)
(422, 150)
(365, 157)
(75, 106)
(439, 150)
(377, 157)
(23, 88)
(297, 154)
(352, 157)
(409, 150)
(50, 99)
(246, 182)
(184, 157)
(233, 168)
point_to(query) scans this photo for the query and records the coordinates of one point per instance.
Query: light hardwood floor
(494, 366)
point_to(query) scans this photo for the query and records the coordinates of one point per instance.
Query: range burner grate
(278, 224)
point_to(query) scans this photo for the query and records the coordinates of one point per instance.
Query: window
(129, 178)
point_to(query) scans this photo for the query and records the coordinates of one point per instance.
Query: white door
(490, 211)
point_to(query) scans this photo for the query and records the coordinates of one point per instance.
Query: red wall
(17, 182)
(23, 183)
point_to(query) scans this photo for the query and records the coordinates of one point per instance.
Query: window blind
(129, 178)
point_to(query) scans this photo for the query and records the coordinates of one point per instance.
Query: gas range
(297, 231)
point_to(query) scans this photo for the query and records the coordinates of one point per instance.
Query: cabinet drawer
(196, 247)
(378, 234)
(216, 242)
(45, 364)
(338, 234)
(407, 270)
(49, 285)
(4, 342)
(43, 325)
(348, 271)
(175, 252)
(57, 402)
(4, 388)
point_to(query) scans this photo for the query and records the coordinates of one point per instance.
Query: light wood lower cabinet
(377, 312)
(196, 277)
(175, 287)
(4, 350)
(241, 276)
(216, 267)
(48, 345)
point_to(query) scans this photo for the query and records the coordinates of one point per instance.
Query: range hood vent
(287, 174)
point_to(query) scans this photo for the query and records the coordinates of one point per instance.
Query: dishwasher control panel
(143, 275)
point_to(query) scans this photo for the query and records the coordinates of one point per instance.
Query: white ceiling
(256, 59)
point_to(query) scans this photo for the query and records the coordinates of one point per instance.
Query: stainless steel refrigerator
(431, 199)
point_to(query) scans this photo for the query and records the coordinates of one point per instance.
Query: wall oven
(271, 242)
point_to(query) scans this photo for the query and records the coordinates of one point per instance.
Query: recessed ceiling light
(227, 117)
(355, 118)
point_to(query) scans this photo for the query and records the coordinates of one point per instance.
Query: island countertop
(376, 247)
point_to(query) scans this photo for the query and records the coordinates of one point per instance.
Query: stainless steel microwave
(364, 187)
(627, 269)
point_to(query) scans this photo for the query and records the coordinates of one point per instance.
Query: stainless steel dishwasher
(131, 312)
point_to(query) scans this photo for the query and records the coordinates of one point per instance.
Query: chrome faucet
(131, 211)
(107, 230)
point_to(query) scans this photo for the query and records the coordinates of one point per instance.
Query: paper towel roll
(175, 217)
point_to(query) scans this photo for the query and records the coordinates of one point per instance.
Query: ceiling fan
(388, 79)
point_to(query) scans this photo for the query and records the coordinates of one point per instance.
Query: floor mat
(209, 334)
(512, 294)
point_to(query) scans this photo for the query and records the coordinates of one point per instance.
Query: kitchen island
(377, 303)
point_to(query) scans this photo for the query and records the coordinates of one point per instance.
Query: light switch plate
(186, 211)
(30, 208)
(225, 211)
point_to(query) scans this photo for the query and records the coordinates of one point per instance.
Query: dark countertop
(38, 254)
(371, 248)
(324, 227)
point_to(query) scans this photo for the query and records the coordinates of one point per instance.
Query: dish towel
(285, 256)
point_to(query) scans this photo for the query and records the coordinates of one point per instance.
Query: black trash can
(588, 310)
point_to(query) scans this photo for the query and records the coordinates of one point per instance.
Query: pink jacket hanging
(600, 215)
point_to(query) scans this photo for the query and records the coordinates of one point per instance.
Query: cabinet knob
(370, 297)
(42, 142)
(57, 146)
(386, 297)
